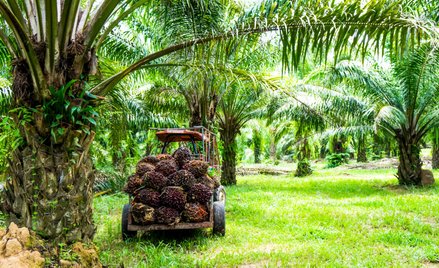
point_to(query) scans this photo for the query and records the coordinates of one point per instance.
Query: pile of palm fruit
(170, 189)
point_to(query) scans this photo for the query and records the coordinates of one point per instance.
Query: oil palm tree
(348, 114)
(53, 46)
(236, 108)
(256, 139)
(201, 87)
(405, 101)
(298, 114)
(125, 116)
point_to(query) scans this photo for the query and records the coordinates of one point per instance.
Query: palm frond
(307, 26)
(390, 119)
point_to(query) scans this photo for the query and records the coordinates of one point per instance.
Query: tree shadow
(187, 238)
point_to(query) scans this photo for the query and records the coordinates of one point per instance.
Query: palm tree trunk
(322, 152)
(410, 164)
(196, 119)
(435, 149)
(435, 160)
(273, 156)
(257, 145)
(377, 145)
(303, 165)
(361, 149)
(119, 161)
(388, 149)
(228, 168)
(50, 189)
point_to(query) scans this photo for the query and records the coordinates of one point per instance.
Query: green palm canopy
(403, 102)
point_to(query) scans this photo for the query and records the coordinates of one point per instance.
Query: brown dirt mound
(22, 248)
(16, 248)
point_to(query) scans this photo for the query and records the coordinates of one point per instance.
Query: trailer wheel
(125, 233)
(219, 218)
(219, 194)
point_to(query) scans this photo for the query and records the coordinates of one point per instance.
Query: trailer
(204, 147)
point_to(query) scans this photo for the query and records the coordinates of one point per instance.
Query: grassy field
(334, 218)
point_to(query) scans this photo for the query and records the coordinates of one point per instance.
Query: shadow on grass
(173, 238)
(175, 235)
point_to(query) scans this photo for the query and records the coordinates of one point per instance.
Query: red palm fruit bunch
(167, 189)
(182, 155)
(197, 167)
(182, 178)
(148, 197)
(173, 197)
(134, 182)
(155, 180)
(166, 167)
(200, 193)
(195, 212)
(167, 215)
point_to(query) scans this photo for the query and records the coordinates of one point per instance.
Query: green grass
(334, 218)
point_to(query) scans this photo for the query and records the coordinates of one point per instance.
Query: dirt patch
(432, 264)
(377, 164)
(16, 248)
(263, 264)
(386, 163)
(432, 222)
(262, 169)
(22, 248)
(399, 189)
(255, 265)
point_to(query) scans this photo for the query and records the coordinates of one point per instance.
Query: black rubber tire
(125, 233)
(219, 194)
(219, 218)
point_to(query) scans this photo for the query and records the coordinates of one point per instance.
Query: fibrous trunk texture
(273, 151)
(202, 106)
(435, 153)
(273, 156)
(51, 175)
(361, 150)
(303, 156)
(410, 164)
(50, 190)
(257, 140)
(228, 168)
(303, 168)
(196, 119)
